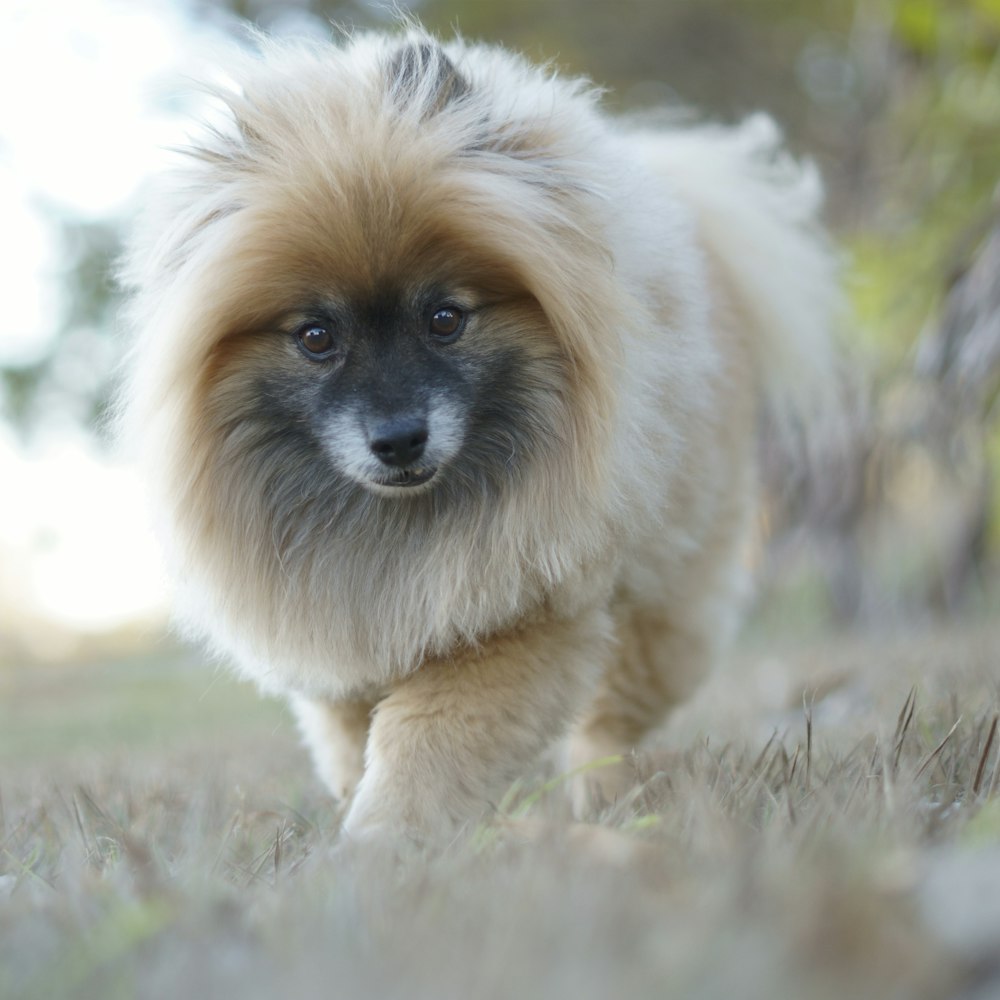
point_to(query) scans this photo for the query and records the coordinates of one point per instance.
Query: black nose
(399, 441)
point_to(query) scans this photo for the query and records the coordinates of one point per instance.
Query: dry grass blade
(24, 830)
(937, 750)
(807, 708)
(757, 764)
(25, 869)
(902, 726)
(220, 857)
(96, 811)
(757, 772)
(793, 765)
(84, 837)
(977, 783)
(849, 801)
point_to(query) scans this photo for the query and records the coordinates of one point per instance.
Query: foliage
(70, 380)
(934, 155)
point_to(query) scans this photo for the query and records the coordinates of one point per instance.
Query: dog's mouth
(406, 478)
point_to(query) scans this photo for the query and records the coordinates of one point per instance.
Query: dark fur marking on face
(279, 435)
(507, 423)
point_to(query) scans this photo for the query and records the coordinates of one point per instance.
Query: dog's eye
(447, 323)
(316, 341)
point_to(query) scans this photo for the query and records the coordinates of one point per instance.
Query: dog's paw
(370, 817)
(387, 809)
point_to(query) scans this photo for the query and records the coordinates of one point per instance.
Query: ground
(823, 821)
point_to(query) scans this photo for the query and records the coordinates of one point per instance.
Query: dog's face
(403, 389)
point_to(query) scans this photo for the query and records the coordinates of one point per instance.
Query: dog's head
(382, 278)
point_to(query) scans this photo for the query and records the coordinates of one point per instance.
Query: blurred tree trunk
(961, 354)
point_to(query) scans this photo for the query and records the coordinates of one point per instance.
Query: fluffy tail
(756, 209)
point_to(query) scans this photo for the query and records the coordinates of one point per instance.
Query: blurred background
(898, 101)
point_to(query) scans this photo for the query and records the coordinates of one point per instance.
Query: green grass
(820, 822)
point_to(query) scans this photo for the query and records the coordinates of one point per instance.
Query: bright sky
(85, 114)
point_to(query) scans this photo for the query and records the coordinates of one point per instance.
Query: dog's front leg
(448, 741)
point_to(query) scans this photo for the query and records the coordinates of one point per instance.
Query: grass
(822, 821)
(151, 701)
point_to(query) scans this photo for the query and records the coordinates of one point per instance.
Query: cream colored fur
(668, 282)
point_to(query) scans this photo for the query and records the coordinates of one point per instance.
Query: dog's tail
(756, 212)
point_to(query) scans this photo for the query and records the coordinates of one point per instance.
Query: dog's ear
(420, 73)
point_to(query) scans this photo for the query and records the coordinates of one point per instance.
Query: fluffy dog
(446, 386)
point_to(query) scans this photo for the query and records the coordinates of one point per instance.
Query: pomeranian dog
(447, 386)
